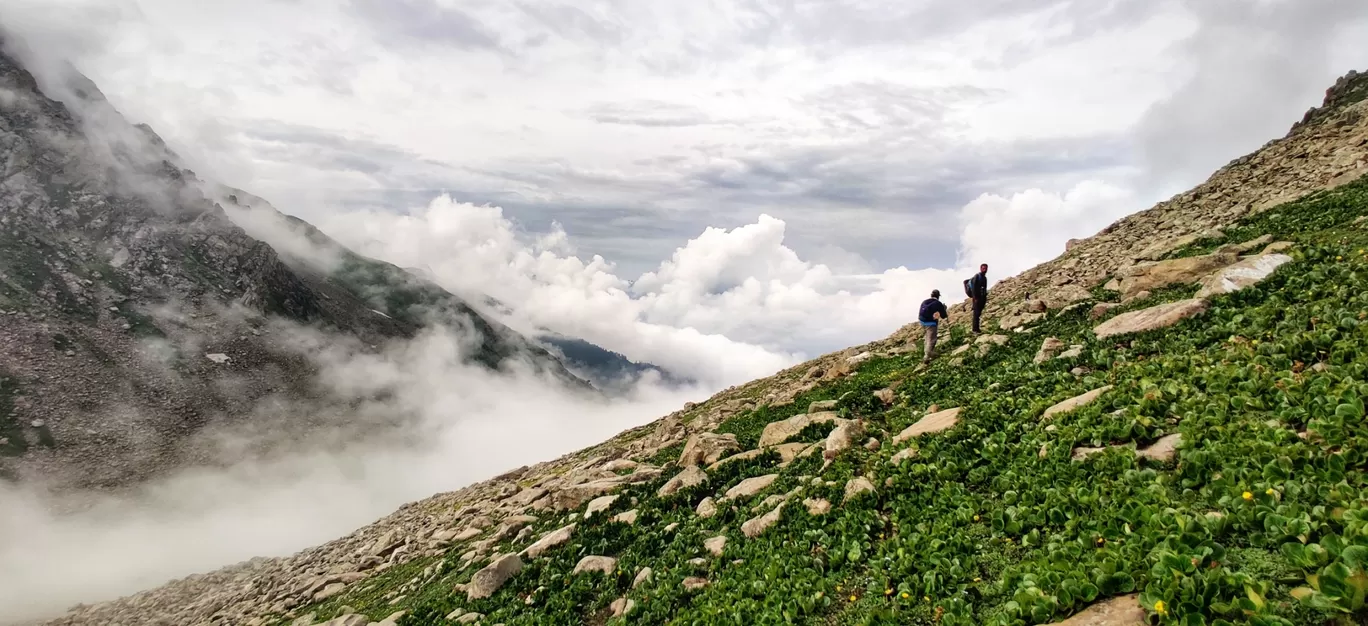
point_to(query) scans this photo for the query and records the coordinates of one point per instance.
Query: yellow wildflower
(978, 580)
(852, 598)
(906, 595)
(1248, 496)
(888, 592)
(1160, 608)
(1270, 491)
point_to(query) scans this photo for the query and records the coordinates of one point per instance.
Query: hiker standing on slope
(976, 288)
(932, 312)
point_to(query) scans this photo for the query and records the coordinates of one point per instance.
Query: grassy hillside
(1005, 518)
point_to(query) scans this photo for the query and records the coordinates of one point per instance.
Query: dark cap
(935, 293)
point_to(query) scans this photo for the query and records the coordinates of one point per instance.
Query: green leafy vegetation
(1262, 518)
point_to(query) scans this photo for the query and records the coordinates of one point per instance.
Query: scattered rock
(348, 620)
(620, 465)
(642, 577)
(753, 527)
(716, 545)
(470, 618)
(218, 358)
(1082, 453)
(1101, 309)
(933, 423)
(856, 486)
(885, 396)
(329, 591)
(694, 583)
(690, 477)
(790, 451)
(622, 606)
(859, 358)
(1073, 352)
(548, 541)
(1075, 402)
(1048, 349)
(873, 445)
(1241, 248)
(819, 406)
(1159, 316)
(817, 507)
(751, 486)
(903, 455)
(1277, 246)
(783, 430)
(599, 504)
(626, 517)
(707, 448)
(603, 564)
(1118, 611)
(842, 437)
(707, 508)
(1242, 274)
(1163, 450)
(488, 580)
(1016, 320)
(573, 497)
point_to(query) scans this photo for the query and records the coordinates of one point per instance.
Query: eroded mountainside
(1171, 429)
(135, 315)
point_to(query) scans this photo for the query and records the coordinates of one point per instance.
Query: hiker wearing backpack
(933, 311)
(976, 287)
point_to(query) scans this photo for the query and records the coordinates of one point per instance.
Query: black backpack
(968, 289)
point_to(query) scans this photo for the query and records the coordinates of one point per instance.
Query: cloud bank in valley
(729, 305)
(461, 424)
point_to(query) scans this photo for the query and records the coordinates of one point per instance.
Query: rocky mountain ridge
(1328, 149)
(137, 318)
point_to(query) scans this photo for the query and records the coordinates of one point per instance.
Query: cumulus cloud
(728, 305)
(1016, 233)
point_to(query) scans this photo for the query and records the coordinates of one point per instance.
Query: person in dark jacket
(978, 292)
(933, 311)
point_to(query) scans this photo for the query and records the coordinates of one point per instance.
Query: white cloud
(1017, 233)
(729, 305)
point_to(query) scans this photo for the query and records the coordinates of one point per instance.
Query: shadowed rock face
(135, 316)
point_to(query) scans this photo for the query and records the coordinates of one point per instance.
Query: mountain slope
(1210, 464)
(135, 315)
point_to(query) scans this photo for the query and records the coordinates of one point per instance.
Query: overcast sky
(847, 155)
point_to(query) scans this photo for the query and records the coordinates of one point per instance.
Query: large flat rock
(933, 423)
(778, 432)
(1075, 402)
(1160, 316)
(1243, 274)
(1152, 276)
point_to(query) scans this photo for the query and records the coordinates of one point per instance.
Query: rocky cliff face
(1328, 148)
(135, 314)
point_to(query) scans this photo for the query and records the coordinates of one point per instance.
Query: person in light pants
(932, 312)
